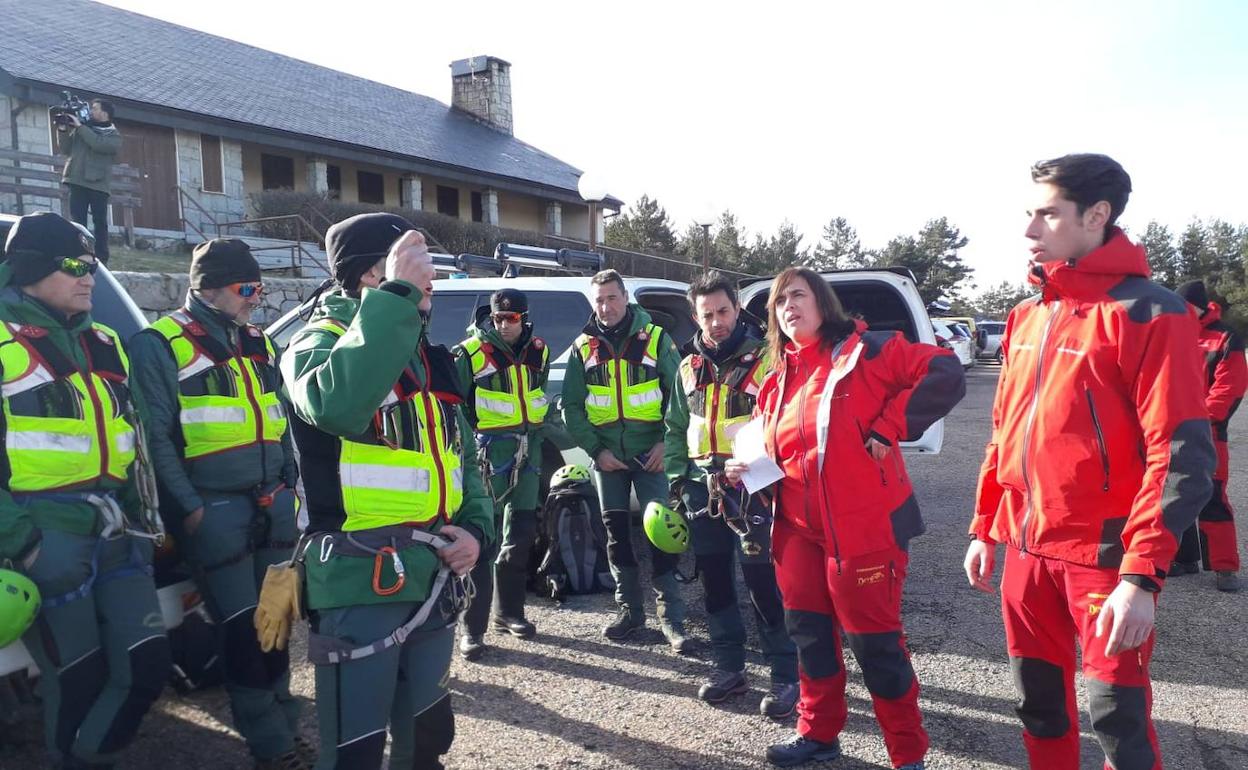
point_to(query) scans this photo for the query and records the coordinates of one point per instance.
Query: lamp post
(705, 219)
(593, 191)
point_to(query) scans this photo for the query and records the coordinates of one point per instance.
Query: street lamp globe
(591, 187)
(705, 215)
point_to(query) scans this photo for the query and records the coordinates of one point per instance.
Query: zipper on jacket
(1100, 439)
(801, 435)
(1031, 421)
(247, 372)
(714, 391)
(100, 432)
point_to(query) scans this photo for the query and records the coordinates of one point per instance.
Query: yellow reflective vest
(65, 429)
(507, 391)
(719, 401)
(405, 468)
(622, 386)
(224, 401)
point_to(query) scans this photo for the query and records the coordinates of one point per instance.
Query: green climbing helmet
(19, 604)
(570, 474)
(666, 528)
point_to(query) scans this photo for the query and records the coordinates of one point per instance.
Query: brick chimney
(481, 87)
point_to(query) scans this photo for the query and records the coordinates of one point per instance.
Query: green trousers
(515, 516)
(228, 553)
(99, 641)
(614, 495)
(404, 687)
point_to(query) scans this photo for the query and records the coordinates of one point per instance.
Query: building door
(153, 151)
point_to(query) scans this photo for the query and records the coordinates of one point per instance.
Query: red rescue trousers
(1048, 604)
(862, 597)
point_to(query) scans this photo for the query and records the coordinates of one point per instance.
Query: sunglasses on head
(246, 290)
(508, 317)
(77, 267)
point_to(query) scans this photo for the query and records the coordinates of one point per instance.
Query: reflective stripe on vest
(613, 395)
(64, 429)
(506, 396)
(719, 405)
(406, 468)
(220, 422)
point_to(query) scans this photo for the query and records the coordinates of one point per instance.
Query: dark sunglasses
(246, 290)
(77, 267)
(502, 317)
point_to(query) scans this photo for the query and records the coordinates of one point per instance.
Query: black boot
(799, 749)
(509, 617)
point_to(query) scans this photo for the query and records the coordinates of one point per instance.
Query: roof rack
(511, 258)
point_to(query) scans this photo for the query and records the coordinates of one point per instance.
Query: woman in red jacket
(836, 404)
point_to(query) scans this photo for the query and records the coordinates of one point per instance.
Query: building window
(372, 187)
(401, 198)
(448, 201)
(333, 180)
(277, 172)
(213, 172)
(478, 211)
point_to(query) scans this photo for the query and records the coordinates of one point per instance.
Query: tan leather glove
(278, 606)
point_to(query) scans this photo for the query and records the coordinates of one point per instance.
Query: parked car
(112, 306)
(948, 336)
(887, 299)
(971, 325)
(992, 332)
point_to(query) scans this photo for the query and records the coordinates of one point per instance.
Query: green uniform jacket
(155, 372)
(676, 446)
(626, 440)
(485, 331)
(335, 383)
(20, 525)
(92, 151)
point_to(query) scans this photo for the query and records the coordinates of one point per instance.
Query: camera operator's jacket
(378, 422)
(92, 151)
(1101, 452)
(67, 420)
(711, 400)
(214, 421)
(633, 384)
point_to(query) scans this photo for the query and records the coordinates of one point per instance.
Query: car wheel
(997, 357)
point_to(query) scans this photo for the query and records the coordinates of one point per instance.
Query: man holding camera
(92, 148)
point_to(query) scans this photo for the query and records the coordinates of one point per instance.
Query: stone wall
(159, 293)
(227, 206)
(33, 135)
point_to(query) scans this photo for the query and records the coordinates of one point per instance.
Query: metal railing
(642, 265)
(305, 234)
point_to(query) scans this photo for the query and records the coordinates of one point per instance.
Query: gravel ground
(570, 699)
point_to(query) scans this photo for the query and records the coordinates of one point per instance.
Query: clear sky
(885, 113)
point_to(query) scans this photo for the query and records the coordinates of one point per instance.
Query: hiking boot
(912, 766)
(780, 701)
(682, 643)
(471, 647)
(288, 761)
(1180, 568)
(800, 749)
(517, 627)
(1227, 581)
(722, 685)
(625, 623)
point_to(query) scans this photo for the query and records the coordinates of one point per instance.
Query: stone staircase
(275, 254)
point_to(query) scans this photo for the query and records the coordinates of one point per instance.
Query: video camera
(71, 104)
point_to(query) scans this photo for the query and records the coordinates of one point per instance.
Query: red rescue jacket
(821, 405)
(1226, 377)
(1101, 452)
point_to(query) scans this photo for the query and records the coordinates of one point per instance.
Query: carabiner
(378, 560)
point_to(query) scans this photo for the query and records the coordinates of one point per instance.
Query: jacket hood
(639, 315)
(753, 338)
(1211, 316)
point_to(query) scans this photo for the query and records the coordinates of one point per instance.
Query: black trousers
(80, 200)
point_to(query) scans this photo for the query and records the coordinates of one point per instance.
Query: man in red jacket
(1101, 455)
(1226, 379)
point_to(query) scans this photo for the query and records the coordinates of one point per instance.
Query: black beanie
(509, 300)
(38, 241)
(222, 262)
(356, 243)
(1195, 293)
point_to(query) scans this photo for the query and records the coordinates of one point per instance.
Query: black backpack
(573, 544)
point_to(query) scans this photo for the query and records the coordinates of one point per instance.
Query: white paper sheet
(749, 445)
